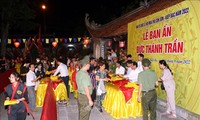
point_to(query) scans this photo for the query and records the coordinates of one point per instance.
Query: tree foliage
(16, 17)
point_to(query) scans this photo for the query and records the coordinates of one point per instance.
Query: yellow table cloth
(60, 93)
(115, 104)
(114, 77)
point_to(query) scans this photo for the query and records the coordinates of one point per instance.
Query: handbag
(101, 88)
(162, 86)
(99, 91)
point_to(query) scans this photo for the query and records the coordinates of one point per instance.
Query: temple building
(114, 32)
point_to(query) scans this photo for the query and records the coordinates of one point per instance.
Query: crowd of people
(87, 80)
(24, 82)
(135, 70)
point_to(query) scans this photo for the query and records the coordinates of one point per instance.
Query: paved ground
(70, 112)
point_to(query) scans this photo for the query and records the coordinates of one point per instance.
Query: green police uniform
(148, 80)
(83, 80)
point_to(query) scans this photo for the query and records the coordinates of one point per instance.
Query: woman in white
(169, 85)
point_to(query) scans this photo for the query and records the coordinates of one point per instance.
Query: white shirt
(29, 77)
(62, 69)
(133, 75)
(113, 55)
(120, 70)
(109, 57)
(140, 66)
(128, 70)
(68, 61)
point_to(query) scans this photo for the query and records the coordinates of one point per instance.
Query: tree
(16, 16)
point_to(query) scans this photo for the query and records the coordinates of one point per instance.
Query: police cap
(146, 62)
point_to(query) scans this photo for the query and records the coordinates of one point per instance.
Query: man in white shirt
(133, 75)
(113, 53)
(140, 58)
(128, 64)
(119, 69)
(129, 57)
(30, 83)
(63, 70)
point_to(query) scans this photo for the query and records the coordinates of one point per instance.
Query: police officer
(147, 80)
(85, 90)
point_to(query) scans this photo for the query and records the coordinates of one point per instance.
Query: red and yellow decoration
(58, 87)
(86, 40)
(47, 72)
(54, 44)
(121, 98)
(16, 44)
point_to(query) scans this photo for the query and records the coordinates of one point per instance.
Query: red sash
(13, 94)
(27, 107)
(25, 103)
(14, 90)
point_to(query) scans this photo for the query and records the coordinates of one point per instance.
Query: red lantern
(38, 40)
(16, 44)
(86, 40)
(61, 39)
(121, 43)
(109, 43)
(14, 40)
(54, 44)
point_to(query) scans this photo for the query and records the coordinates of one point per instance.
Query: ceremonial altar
(121, 98)
(58, 87)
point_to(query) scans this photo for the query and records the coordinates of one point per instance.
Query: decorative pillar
(96, 47)
(103, 47)
(100, 47)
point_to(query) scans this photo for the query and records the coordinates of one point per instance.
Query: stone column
(96, 48)
(103, 47)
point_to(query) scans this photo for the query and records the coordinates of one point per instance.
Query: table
(115, 103)
(59, 90)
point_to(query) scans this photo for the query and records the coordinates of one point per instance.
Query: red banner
(127, 91)
(120, 82)
(49, 111)
(4, 81)
(55, 84)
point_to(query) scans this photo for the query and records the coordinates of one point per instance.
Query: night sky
(66, 18)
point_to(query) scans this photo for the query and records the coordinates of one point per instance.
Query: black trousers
(17, 116)
(66, 81)
(149, 101)
(93, 96)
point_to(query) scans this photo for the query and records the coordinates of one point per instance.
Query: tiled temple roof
(119, 26)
